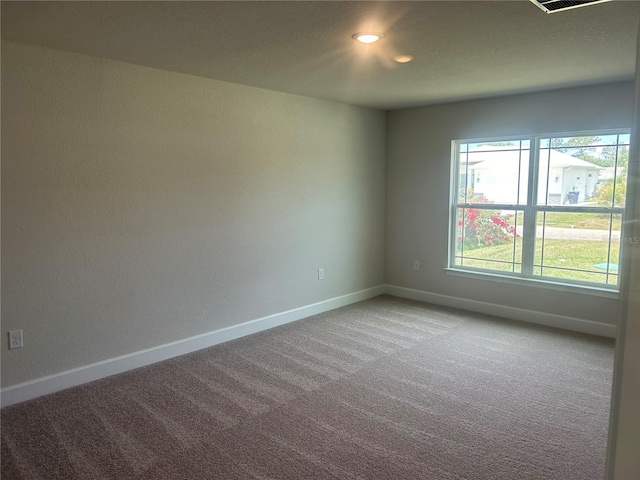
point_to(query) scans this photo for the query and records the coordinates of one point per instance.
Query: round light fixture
(367, 37)
(403, 58)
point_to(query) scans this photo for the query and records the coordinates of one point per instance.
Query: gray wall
(141, 206)
(418, 163)
(624, 427)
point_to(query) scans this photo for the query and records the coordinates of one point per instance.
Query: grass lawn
(561, 254)
(579, 220)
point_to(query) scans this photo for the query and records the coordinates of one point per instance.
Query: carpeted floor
(384, 389)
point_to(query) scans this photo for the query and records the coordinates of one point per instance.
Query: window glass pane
(576, 246)
(498, 144)
(581, 171)
(549, 188)
(584, 142)
(620, 192)
(459, 235)
(611, 188)
(489, 238)
(497, 174)
(465, 180)
(606, 140)
(614, 251)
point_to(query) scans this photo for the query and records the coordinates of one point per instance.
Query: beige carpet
(384, 389)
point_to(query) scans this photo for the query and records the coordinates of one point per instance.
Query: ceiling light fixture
(403, 58)
(367, 37)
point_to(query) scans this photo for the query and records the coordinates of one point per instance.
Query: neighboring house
(493, 171)
(609, 173)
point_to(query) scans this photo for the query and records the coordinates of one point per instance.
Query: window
(540, 207)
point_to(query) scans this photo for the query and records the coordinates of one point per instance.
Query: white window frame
(530, 209)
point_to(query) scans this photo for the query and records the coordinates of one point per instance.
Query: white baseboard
(514, 313)
(88, 373)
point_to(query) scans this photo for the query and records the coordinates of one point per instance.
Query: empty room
(320, 240)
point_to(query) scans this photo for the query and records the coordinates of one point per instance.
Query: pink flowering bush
(484, 228)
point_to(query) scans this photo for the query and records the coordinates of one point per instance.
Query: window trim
(505, 277)
(526, 275)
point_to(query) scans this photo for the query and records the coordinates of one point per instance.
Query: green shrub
(604, 193)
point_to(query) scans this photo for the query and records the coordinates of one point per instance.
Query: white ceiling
(462, 50)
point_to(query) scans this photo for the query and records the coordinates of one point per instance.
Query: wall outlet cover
(15, 339)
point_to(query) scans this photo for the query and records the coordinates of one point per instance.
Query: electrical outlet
(416, 265)
(15, 339)
(321, 274)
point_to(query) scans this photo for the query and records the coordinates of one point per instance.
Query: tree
(605, 193)
(581, 147)
(499, 144)
(585, 149)
(609, 154)
(618, 157)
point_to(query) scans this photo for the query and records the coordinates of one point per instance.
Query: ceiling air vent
(553, 6)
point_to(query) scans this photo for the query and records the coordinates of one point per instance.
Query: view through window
(544, 207)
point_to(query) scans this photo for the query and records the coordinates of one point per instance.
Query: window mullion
(453, 227)
(529, 224)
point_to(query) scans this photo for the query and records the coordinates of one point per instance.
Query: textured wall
(418, 163)
(624, 428)
(141, 206)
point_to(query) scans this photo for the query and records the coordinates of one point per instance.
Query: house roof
(462, 49)
(505, 158)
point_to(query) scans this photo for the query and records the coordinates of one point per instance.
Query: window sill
(530, 282)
